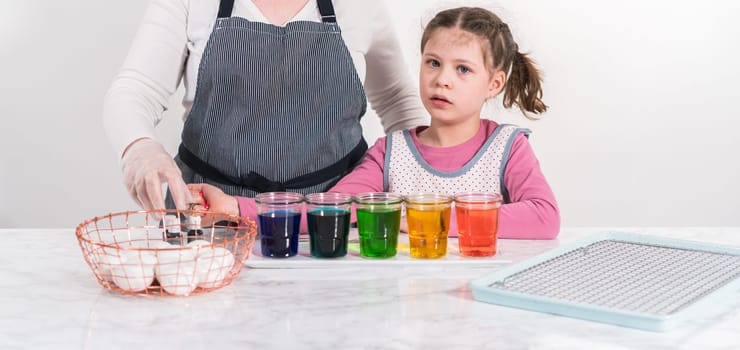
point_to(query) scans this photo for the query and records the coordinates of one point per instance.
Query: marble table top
(50, 299)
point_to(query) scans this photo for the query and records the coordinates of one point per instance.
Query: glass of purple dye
(279, 221)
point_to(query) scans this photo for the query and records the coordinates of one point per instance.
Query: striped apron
(275, 109)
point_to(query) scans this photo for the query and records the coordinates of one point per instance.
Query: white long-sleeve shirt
(171, 39)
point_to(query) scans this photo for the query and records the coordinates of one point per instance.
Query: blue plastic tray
(626, 279)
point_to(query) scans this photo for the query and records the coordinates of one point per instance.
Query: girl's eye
(433, 62)
(463, 69)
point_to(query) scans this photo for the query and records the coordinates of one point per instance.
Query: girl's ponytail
(524, 86)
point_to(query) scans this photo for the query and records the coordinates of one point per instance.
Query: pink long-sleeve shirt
(531, 214)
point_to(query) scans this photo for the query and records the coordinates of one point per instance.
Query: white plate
(304, 260)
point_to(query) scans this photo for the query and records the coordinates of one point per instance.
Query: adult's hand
(146, 166)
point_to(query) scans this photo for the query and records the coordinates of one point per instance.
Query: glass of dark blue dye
(328, 223)
(279, 221)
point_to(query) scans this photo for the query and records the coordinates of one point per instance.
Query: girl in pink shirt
(468, 57)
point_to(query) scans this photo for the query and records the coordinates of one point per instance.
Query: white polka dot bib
(406, 172)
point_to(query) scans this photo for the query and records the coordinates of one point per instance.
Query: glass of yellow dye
(428, 218)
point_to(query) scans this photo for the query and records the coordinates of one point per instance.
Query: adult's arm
(150, 74)
(388, 85)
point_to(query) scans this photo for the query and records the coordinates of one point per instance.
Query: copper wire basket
(166, 252)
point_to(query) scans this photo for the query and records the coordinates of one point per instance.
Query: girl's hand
(404, 227)
(213, 199)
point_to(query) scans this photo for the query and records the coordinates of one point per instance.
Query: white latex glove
(146, 166)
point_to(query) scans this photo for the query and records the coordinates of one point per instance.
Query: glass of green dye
(378, 221)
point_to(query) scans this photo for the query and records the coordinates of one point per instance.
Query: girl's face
(454, 80)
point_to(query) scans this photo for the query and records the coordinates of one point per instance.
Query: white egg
(163, 248)
(212, 266)
(101, 266)
(198, 242)
(159, 244)
(177, 279)
(133, 278)
(132, 270)
(139, 257)
(175, 271)
(109, 259)
(199, 245)
(174, 257)
(115, 257)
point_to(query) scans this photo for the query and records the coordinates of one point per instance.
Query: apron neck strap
(327, 11)
(326, 8)
(225, 8)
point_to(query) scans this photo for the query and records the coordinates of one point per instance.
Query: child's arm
(220, 202)
(533, 212)
(366, 177)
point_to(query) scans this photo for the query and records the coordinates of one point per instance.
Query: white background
(642, 130)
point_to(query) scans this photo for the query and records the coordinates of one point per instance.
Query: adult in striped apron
(275, 109)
